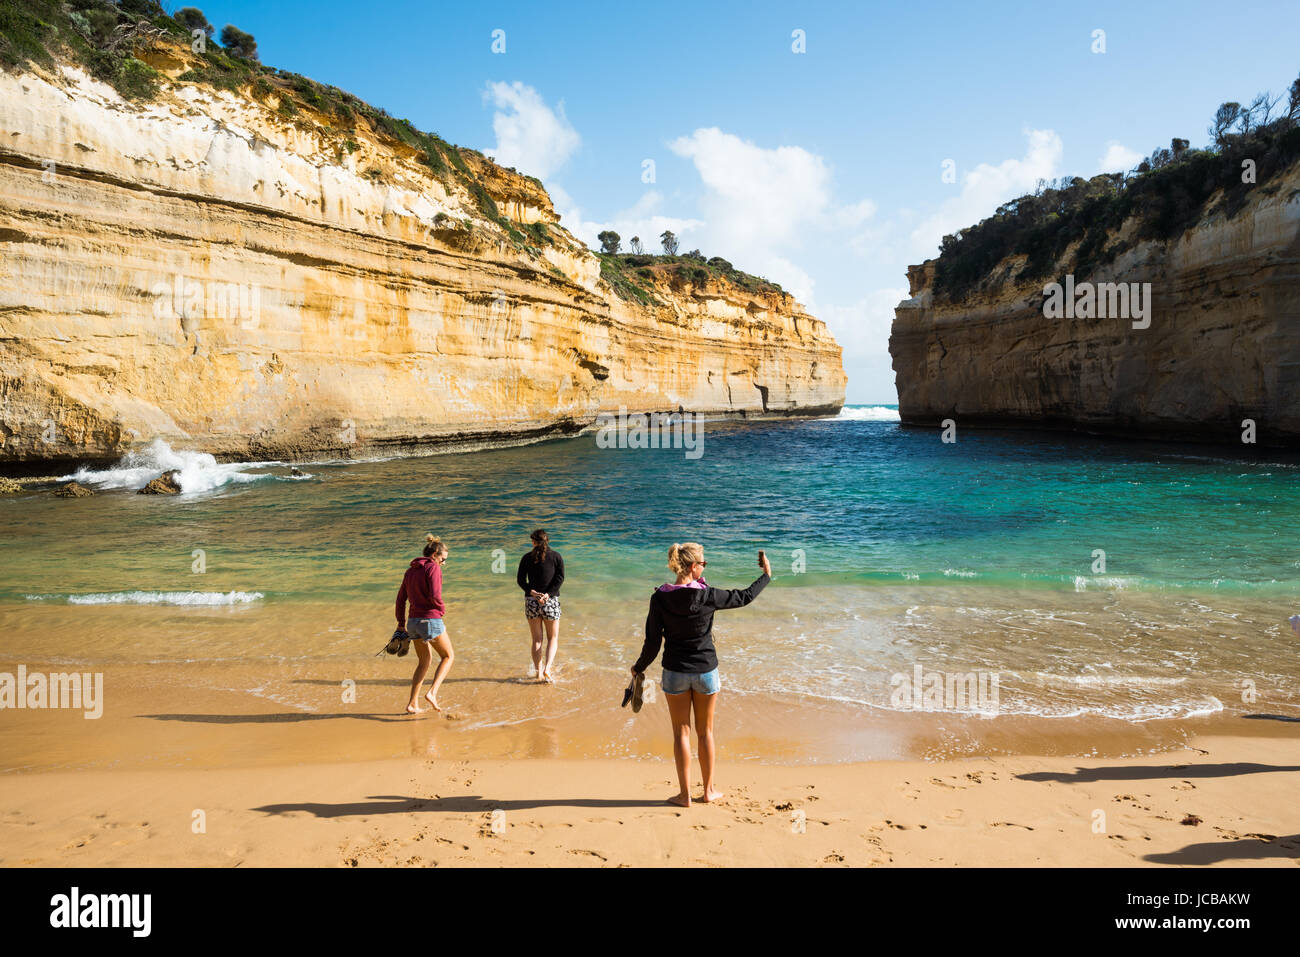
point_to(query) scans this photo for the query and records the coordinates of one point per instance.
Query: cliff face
(1223, 343)
(204, 269)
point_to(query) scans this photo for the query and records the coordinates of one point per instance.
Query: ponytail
(682, 556)
(540, 541)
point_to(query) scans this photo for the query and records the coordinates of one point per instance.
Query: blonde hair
(433, 546)
(682, 556)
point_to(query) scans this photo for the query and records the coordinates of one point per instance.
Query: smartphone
(760, 556)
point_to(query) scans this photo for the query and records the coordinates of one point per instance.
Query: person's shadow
(279, 717)
(469, 804)
(1243, 849)
(1271, 717)
(1148, 772)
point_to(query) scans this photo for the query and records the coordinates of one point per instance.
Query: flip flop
(627, 693)
(638, 685)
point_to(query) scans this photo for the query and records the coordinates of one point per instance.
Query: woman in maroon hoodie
(422, 588)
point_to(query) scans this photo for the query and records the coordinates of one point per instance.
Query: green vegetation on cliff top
(634, 275)
(1164, 195)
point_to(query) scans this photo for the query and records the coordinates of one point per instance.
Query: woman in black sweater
(681, 617)
(541, 573)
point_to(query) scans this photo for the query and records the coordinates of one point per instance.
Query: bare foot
(711, 796)
(546, 676)
(681, 800)
(433, 702)
(412, 709)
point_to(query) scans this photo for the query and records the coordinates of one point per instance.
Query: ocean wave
(867, 413)
(157, 598)
(196, 471)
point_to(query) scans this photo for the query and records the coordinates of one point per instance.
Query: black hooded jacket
(682, 619)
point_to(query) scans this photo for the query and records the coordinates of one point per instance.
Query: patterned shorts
(549, 609)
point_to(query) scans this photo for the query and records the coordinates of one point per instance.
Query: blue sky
(822, 170)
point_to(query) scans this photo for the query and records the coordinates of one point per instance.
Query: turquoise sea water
(866, 501)
(891, 549)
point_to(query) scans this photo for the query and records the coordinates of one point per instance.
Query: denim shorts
(678, 682)
(425, 629)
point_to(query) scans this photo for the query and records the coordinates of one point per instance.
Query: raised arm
(722, 598)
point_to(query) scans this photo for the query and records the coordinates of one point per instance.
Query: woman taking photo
(422, 589)
(681, 617)
(541, 573)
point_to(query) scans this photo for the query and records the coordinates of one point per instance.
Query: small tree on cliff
(1224, 117)
(635, 244)
(1293, 101)
(238, 43)
(192, 18)
(609, 241)
(669, 242)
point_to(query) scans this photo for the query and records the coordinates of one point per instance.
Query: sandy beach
(1225, 801)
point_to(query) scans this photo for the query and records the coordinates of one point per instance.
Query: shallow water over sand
(248, 604)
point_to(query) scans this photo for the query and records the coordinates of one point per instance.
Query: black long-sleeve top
(545, 576)
(682, 619)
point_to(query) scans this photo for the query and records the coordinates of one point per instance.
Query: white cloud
(986, 187)
(531, 137)
(755, 195)
(761, 205)
(862, 328)
(1118, 159)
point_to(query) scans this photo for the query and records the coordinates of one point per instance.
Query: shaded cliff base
(1199, 438)
(306, 449)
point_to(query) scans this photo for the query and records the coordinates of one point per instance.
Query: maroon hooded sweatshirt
(422, 587)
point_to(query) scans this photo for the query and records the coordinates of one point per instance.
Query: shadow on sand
(1250, 848)
(1178, 772)
(406, 682)
(1271, 717)
(283, 717)
(469, 804)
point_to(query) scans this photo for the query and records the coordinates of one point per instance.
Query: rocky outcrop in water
(165, 484)
(73, 490)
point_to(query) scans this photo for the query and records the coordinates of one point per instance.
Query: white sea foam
(867, 413)
(197, 471)
(158, 598)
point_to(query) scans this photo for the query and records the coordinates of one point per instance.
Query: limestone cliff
(1223, 343)
(241, 277)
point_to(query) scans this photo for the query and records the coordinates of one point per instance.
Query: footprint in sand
(589, 853)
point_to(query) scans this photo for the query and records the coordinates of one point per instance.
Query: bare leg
(442, 645)
(704, 705)
(679, 712)
(539, 644)
(424, 657)
(552, 646)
